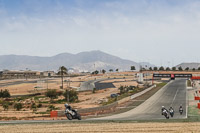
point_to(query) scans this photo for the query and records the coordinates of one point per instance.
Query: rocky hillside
(84, 61)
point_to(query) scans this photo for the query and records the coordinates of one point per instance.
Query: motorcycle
(165, 113)
(72, 114)
(181, 110)
(171, 112)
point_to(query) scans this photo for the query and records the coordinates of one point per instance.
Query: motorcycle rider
(171, 111)
(165, 112)
(71, 113)
(181, 109)
(164, 109)
(68, 108)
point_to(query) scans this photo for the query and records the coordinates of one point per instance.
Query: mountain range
(84, 61)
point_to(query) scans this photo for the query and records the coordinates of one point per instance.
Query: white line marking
(175, 96)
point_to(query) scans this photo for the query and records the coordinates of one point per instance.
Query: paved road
(172, 94)
(89, 85)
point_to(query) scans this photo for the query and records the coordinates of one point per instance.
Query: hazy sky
(163, 32)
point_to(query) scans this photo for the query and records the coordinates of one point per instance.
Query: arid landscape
(99, 66)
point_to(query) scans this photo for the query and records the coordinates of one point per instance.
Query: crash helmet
(66, 105)
(163, 107)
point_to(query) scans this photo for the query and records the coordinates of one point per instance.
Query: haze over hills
(84, 61)
(190, 65)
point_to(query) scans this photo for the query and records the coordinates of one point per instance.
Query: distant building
(7, 74)
(48, 73)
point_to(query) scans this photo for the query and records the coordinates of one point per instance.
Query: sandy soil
(104, 128)
(27, 88)
(87, 99)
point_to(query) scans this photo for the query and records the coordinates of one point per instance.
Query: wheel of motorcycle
(79, 116)
(69, 116)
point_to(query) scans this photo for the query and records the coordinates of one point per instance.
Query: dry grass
(104, 128)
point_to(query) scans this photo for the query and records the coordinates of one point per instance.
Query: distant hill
(190, 65)
(84, 61)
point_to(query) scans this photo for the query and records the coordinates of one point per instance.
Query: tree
(133, 68)
(198, 68)
(62, 71)
(117, 70)
(143, 68)
(71, 95)
(173, 68)
(180, 68)
(96, 72)
(51, 94)
(168, 69)
(193, 69)
(150, 68)
(187, 68)
(161, 68)
(155, 68)
(18, 106)
(111, 70)
(103, 71)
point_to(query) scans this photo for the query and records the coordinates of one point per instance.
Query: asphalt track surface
(89, 85)
(173, 94)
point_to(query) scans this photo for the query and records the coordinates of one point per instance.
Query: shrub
(51, 94)
(33, 106)
(94, 90)
(39, 105)
(5, 106)
(5, 93)
(51, 107)
(18, 106)
(71, 95)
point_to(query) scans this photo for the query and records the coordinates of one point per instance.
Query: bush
(51, 94)
(39, 105)
(33, 106)
(71, 95)
(94, 90)
(5, 106)
(5, 93)
(18, 106)
(51, 107)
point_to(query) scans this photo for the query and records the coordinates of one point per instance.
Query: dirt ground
(87, 99)
(103, 128)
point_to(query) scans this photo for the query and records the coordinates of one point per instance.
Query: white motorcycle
(165, 113)
(71, 113)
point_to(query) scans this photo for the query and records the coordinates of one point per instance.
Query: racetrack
(173, 94)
